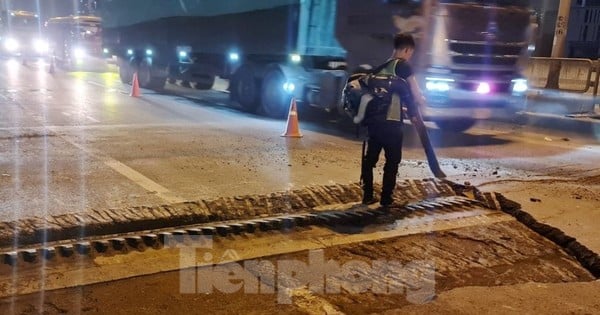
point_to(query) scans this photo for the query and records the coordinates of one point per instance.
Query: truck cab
(469, 58)
(76, 41)
(20, 34)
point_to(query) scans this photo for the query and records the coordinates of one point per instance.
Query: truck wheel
(275, 101)
(455, 125)
(244, 88)
(125, 72)
(147, 80)
(204, 82)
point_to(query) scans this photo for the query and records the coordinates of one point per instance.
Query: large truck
(469, 59)
(20, 35)
(76, 41)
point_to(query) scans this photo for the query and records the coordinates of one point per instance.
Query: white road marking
(131, 174)
(92, 118)
(110, 89)
(75, 113)
(142, 180)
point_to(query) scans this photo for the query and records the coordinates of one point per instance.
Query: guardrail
(564, 74)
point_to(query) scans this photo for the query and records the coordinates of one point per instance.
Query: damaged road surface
(328, 258)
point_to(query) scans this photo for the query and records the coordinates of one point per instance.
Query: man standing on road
(385, 126)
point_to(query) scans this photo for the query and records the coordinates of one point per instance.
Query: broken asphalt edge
(39, 230)
(586, 257)
(294, 208)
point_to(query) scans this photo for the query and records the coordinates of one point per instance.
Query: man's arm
(418, 98)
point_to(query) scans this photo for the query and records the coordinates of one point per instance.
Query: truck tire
(456, 125)
(243, 88)
(274, 100)
(149, 81)
(204, 82)
(125, 72)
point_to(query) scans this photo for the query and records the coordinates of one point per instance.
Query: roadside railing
(565, 74)
(572, 75)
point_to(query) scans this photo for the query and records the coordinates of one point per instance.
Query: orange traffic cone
(292, 129)
(135, 87)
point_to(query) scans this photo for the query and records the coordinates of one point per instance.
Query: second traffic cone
(135, 87)
(292, 127)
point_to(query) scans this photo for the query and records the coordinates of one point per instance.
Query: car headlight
(41, 46)
(520, 85)
(11, 44)
(79, 53)
(438, 84)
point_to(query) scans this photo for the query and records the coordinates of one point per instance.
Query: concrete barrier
(570, 74)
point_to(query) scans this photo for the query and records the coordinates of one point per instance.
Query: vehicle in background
(471, 51)
(76, 42)
(20, 35)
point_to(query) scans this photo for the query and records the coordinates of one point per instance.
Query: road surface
(75, 142)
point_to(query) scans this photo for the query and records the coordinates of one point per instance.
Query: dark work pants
(386, 136)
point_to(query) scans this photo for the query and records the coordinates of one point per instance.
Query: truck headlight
(79, 53)
(295, 58)
(234, 57)
(41, 46)
(149, 52)
(289, 87)
(11, 44)
(519, 85)
(438, 84)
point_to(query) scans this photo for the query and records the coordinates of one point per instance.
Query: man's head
(404, 46)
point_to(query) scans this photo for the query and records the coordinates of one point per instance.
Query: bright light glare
(105, 50)
(183, 54)
(234, 56)
(520, 85)
(130, 52)
(149, 52)
(289, 87)
(11, 44)
(437, 86)
(79, 53)
(41, 46)
(483, 88)
(295, 58)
